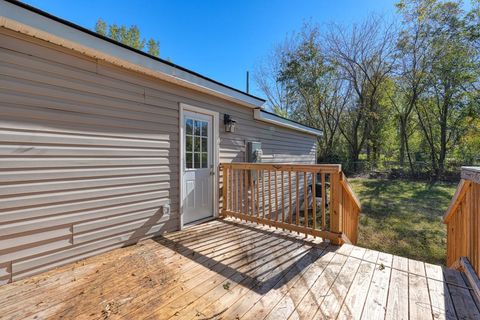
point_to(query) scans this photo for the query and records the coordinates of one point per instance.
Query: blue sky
(219, 39)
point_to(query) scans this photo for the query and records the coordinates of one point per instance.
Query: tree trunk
(407, 149)
(402, 142)
(443, 147)
(354, 157)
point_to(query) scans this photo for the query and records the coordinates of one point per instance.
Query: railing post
(336, 215)
(463, 219)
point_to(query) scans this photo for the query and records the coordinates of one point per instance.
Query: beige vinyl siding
(89, 154)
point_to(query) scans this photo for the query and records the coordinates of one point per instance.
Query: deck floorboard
(227, 269)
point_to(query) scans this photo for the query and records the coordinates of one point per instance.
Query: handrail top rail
(335, 168)
(460, 193)
(348, 188)
(471, 174)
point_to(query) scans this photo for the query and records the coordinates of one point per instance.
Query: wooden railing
(311, 199)
(463, 221)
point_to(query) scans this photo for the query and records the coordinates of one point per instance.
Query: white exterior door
(198, 171)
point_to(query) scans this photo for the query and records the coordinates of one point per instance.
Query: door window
(196, 144)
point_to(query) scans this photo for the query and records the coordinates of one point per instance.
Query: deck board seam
(388, 290)
(331, 284)
(350, 286)
(163, 247)
(297, 248)
(328, 249)
(429, 292)
(369, 286)
(283, 295)
(256, 282)
(265, 236)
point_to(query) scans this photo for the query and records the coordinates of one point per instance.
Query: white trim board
(216, 156)
(259, 114)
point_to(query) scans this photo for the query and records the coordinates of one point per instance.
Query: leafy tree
(129, 36)
(381, 92)
(315, 91)
(153, 47)
(364, 57)
(443, 109)
(414, 63)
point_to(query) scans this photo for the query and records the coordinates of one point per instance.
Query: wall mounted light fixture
(229, 123)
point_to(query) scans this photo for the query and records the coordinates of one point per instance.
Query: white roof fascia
(261, 115)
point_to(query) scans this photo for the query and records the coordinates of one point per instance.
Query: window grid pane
(196, 143)
(189, 144)
(196, 160)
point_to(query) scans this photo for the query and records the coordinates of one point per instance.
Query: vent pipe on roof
(248, 82)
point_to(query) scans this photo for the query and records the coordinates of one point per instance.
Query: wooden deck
(229, 270)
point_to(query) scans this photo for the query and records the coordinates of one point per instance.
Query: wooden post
(336, 207)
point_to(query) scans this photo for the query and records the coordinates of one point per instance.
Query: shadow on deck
(226, 269)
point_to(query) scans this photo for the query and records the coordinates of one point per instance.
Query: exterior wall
(89, 154)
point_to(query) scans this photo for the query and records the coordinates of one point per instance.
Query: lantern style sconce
(229, 123)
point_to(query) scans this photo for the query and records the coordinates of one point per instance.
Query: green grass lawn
(404, 217)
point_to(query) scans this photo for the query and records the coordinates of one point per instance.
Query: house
(103, 145)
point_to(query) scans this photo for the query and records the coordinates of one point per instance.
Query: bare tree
(365, 57)
(266, 77)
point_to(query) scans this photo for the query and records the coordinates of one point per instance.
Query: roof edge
(29, 20)
(265, 116)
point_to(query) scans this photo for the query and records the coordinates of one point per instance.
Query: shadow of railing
(261, 259)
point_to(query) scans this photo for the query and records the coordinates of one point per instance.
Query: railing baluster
(283, 197)
(314, 201)
(305, 201)
(252, 194)
(323, 200)
(269, 199)
(236, 190)
(232, 188)
(245, 176)
(263, 194)
(257, 198)
(276, 195)
(241, 192)
(225, 189)
(297, 213)
(290, 213)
